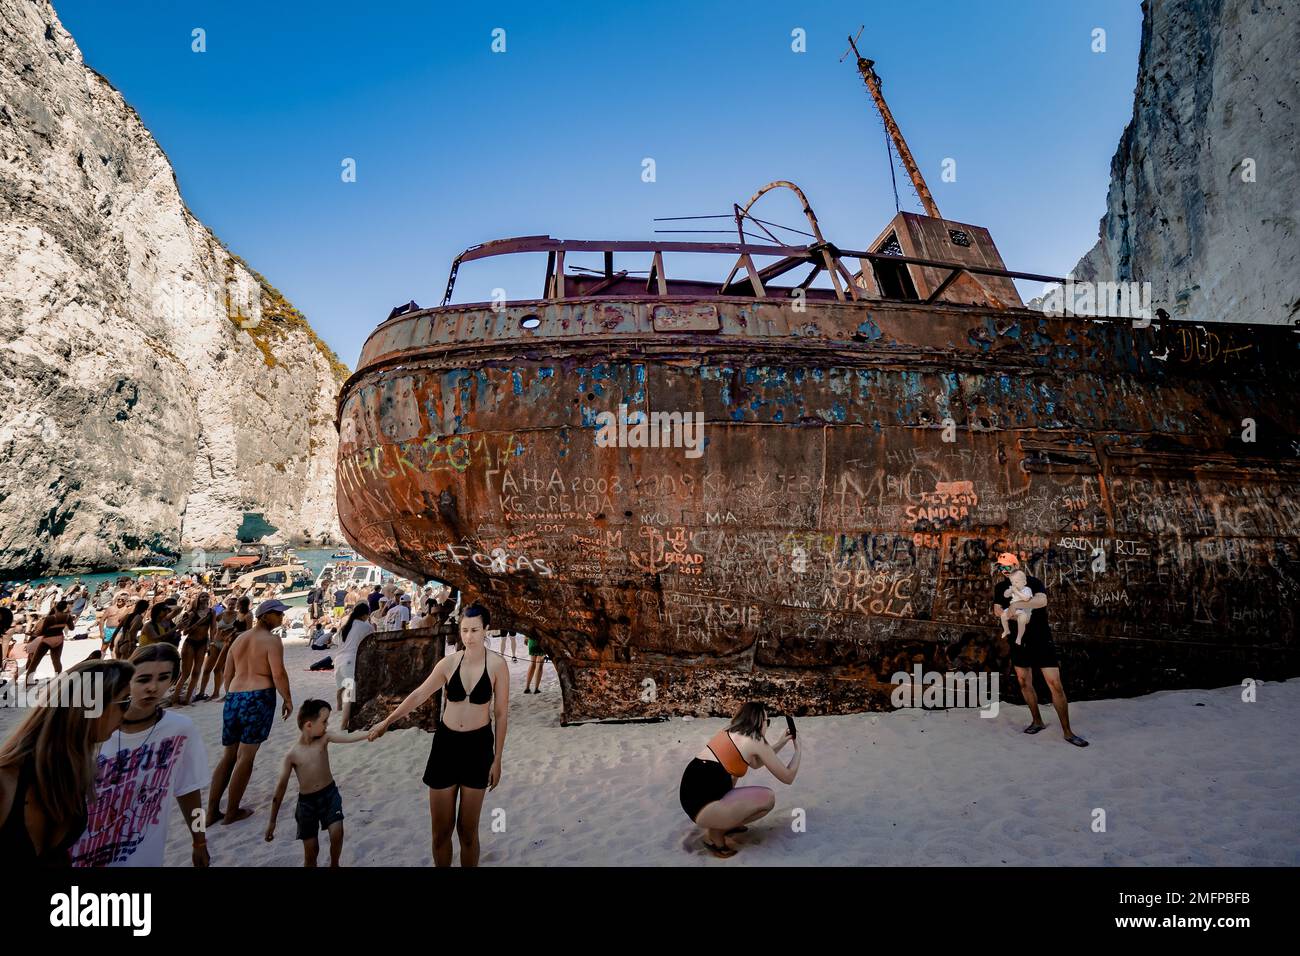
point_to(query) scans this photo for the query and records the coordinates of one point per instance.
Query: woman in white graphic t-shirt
(155, 756)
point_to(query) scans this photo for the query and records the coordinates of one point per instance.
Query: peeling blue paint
(870, 330)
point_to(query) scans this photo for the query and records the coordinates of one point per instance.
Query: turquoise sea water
(315, 559)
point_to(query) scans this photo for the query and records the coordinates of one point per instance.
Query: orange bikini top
(728, 754)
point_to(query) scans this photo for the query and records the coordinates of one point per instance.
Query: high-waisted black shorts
(460, 758)
(703, 782)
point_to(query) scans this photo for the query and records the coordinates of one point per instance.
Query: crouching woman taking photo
(709, 794)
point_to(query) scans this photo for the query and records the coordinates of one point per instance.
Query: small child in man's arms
(1021, 594)
(320, 805)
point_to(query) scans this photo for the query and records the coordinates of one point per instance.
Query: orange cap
(1009, 559)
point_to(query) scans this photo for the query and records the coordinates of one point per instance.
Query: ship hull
(862, 464)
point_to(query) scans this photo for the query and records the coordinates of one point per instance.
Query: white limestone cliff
(1205, 185)
(154, 387)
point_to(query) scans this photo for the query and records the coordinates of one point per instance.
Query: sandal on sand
(724, 852)
(737, 830)
(1076, 740)
(1035, 728)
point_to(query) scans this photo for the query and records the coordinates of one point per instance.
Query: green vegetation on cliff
(279, 317)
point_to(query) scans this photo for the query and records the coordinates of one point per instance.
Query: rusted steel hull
(391, 664)
(863, 464)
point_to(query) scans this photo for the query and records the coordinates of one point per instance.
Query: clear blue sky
(456, 145)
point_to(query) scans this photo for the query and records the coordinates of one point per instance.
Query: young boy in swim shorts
(320, 805)
(1018, 610)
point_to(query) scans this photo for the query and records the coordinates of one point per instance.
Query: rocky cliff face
(155, 388)
(1205, 185)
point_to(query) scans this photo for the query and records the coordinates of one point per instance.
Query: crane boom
(867, 69)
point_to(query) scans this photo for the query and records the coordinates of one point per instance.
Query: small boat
(246, 558)
(292, 580)
(148, 570)
(356, 572)
(344, 555)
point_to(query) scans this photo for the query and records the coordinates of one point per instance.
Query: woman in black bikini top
(465, 756)
(481, 694)
(43, 789)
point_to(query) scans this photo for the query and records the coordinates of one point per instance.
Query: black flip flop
(723, 852)
(1035, 728)
(1076, 740)
(737, 830)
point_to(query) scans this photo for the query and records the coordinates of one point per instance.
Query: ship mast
(867, 69)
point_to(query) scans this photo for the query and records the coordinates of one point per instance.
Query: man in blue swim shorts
(110, 620)
(254, 673)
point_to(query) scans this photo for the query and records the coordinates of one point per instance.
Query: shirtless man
(111, 618)
(254, 672)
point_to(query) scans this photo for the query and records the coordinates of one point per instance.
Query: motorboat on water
(287, 582)
(357, 572)
(247, 558)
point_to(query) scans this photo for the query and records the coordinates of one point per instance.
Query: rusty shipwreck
(869, 443)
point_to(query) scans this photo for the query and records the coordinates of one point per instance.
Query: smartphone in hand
(789, 724)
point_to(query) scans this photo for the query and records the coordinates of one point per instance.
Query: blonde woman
(47, 765)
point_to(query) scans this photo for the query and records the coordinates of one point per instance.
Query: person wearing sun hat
(1036, 650)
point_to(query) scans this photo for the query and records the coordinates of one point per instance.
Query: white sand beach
(1184, 777)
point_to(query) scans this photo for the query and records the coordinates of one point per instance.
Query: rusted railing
(818, 255)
